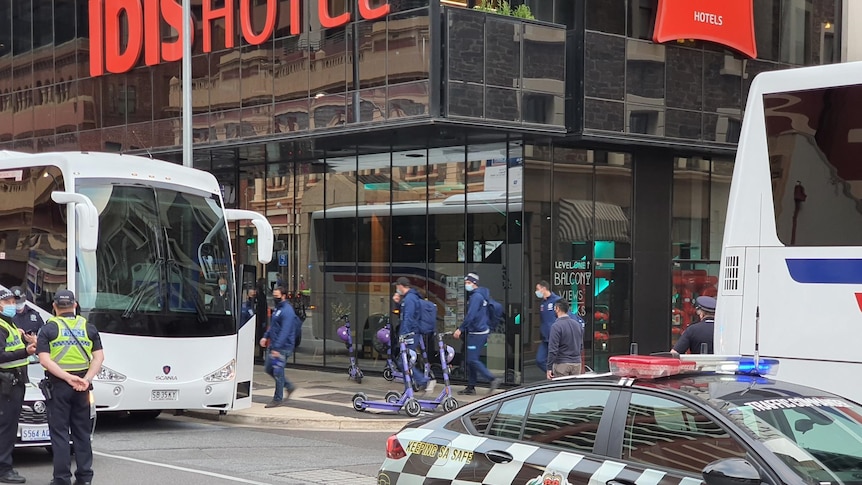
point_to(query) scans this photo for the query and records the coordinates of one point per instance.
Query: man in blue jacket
(548, 316)
(279, 340)
(409, 316)
(476, 327)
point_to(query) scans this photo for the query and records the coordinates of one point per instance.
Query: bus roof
(115, 166)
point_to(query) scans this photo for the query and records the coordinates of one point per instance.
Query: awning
(576, 219)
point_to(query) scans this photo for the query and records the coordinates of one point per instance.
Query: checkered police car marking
(606, 472)
(650, 477)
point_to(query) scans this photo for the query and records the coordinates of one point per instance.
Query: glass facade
(435, 141)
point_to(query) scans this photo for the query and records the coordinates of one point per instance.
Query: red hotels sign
(726, 22)
(145, 16)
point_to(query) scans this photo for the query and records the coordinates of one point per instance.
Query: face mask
(9, 310)
(222, 287)
(399, 291)
(539, 294)
(19, 306)
(468, 287)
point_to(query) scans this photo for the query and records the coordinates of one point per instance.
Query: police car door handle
(498, 456)
(619, 482)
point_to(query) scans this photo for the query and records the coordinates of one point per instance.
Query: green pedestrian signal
(250, 239)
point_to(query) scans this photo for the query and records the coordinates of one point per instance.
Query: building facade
(429, 139)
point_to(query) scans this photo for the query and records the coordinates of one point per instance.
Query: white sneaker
(430, 386)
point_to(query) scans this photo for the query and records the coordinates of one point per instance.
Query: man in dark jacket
(548, 316)
(26, 318)
(409, 316)
(565, 344)
(280, 339)
(476, 327)
(698, 334)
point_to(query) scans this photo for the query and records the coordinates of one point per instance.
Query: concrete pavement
(323, 399)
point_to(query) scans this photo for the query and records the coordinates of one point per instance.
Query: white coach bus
(791, 267)
(145, 245)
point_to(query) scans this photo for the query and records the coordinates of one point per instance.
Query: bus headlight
(224, 373)
(109, 375)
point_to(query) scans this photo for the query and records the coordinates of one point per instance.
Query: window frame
(603, 434)
(620, 420)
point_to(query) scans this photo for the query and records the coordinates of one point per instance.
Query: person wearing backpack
(548, 316)
(409, 315)
(476, 327)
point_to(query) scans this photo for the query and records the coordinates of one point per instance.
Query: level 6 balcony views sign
(726, 22)
(122, 30)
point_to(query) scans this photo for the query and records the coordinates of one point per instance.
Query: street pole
(188, 160)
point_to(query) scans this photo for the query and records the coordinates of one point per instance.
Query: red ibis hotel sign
(144, 18)
(726, 22)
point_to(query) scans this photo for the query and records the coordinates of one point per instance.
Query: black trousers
(69, 410)
(10, 413)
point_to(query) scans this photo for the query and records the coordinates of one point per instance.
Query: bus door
(246, 345)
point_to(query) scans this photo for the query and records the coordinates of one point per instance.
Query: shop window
(669, 435)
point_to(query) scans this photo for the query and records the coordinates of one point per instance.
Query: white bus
(145, 245)
(791, 267)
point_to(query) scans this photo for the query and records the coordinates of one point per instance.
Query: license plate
(164, 395)
(35, 433)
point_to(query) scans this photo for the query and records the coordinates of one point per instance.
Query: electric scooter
(353, 371)
(383, 343)
(393, 400)
(445, 397)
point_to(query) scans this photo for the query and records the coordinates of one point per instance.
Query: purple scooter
(445, 397)
(406, 400)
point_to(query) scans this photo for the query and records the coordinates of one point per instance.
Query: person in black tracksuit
(13, 377)
(701, 332)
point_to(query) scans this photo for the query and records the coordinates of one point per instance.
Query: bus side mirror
(87, 218)
(264, 231)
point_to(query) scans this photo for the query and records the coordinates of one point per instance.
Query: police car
(651, 421)
(33, 423)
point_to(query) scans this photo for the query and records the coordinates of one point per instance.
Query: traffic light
(249, 236)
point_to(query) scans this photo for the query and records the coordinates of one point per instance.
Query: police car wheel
(359, 401)
(388, 375)
(392, 397)
(412, 407)
(449, 404)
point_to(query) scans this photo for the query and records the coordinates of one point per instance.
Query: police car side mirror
(731, 471)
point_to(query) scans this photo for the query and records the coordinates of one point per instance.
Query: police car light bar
(652, 367)
(647, 367)
(732, 364)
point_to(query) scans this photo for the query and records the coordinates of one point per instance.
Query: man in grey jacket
(565, 344)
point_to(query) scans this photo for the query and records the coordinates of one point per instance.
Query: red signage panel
(726, 22)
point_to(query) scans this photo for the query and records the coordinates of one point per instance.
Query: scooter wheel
(412, 408)
(392, 397)
(449, 404)
(359, 401)
(388, 375)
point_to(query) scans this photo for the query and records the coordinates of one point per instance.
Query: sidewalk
(323, 400)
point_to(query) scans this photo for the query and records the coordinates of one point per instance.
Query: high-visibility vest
(13, 343)
(65, 350)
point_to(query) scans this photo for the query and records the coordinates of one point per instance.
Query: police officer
(27, 319)
(476, 327)
(698, 333)
(70, 350)
(13, 377)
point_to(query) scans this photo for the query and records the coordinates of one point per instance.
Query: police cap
(18, 292)
(64, 298)
(705, 303)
